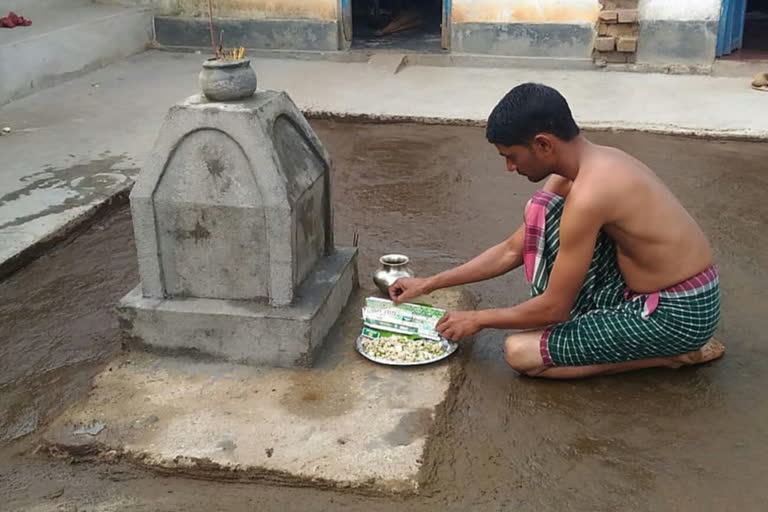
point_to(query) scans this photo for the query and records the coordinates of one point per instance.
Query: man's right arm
(498, 260)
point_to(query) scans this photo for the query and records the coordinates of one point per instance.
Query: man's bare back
(658, 242)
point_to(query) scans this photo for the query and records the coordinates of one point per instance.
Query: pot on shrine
(393, 267)
(227, 80)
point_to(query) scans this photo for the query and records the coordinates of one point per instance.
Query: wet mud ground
(691, 439)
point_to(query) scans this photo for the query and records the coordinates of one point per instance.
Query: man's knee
(519, 354)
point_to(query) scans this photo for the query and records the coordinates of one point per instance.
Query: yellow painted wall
(463, 11)
(525, 11)
(254, 9)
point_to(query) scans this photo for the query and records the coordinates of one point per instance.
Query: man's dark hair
(528, 110)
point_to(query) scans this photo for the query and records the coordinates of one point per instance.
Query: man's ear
(543, 143)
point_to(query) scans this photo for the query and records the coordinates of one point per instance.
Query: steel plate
(449, 347)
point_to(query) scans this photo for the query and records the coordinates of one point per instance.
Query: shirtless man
(621, 276)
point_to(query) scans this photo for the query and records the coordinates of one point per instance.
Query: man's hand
(407, 288)
(457, 325)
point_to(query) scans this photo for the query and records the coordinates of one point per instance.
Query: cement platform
(347, 423)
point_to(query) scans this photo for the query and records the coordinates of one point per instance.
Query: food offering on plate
(402, 334)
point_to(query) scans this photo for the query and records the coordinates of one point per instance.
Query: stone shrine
(233, 223)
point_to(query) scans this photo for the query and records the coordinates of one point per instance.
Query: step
(66, 38)
(744, 68)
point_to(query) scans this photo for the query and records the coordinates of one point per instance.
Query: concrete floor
(660, 440)
(66, 39)
(75, 146)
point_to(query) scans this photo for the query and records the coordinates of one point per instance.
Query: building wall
(671, 31)
(268, 24)
(678, 32)
(680, 9)
(525, 11)
(525, 28)
(258, 9)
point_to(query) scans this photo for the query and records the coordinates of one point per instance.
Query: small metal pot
(227, 80)
(393, 267)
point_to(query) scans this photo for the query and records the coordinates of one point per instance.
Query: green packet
(412, 320)
(425, 310)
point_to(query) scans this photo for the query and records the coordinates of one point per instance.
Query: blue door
(446, 25)
(731, 30)
(346, 19)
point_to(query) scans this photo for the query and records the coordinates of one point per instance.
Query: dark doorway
(756, 31)
(755, 42)
(413, 25)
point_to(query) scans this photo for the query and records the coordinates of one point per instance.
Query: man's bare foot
(712, 350)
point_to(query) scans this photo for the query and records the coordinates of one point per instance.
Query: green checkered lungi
(609, 323)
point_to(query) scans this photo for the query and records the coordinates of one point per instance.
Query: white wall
(680, 10)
